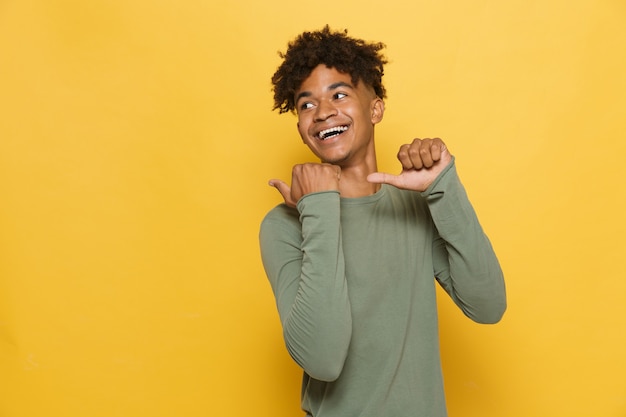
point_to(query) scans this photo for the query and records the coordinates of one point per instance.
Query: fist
(306, 179)
(422, 161)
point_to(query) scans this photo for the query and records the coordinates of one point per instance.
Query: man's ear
(378, 110)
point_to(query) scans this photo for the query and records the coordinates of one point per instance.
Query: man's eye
(306, 105)
(340, 95)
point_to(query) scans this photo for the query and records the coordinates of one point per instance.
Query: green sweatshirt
(354, 285)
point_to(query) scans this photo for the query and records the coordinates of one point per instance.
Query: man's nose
(325, 110)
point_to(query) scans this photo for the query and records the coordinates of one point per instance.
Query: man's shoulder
(281, 222)
(282, 213)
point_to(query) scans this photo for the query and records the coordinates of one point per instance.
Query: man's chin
(333, 159)
(338, 162)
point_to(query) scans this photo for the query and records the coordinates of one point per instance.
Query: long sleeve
(303, 259)
(464, 261)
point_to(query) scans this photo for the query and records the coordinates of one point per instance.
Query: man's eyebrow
(331, 87)
(336, 85)
(302, 94)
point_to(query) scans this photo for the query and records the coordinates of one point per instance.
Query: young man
(352, 255)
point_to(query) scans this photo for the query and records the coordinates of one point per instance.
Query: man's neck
(353, 181)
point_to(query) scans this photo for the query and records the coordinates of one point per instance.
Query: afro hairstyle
(362, 60)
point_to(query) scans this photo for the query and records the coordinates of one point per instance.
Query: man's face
(336, 118)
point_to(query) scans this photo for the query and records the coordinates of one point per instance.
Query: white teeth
(333, 130)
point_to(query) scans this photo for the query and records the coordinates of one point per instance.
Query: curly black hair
(363, 61)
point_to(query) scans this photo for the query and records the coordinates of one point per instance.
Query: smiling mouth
(333, 131)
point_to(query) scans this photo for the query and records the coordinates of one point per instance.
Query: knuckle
(414, 152)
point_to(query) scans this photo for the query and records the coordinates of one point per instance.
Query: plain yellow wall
(136, 139)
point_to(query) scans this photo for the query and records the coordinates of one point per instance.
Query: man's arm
(464, 261)
(303, 258)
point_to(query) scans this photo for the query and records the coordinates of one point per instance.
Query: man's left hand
(422, 161)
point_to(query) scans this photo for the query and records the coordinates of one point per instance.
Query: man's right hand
(306, 179)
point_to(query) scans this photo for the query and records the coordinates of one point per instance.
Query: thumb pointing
(382, 178)
(284, 190)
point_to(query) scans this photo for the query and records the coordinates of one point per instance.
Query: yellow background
(136, 139)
